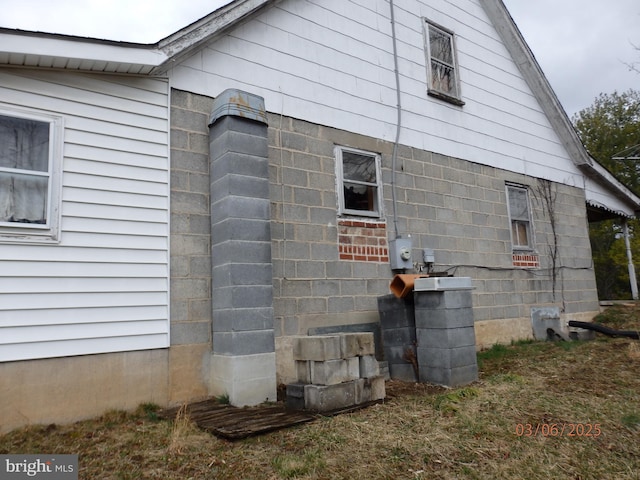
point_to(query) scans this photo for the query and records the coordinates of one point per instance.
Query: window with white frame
(29, 154)
(520, 217)
(359, 183)
(443, 81)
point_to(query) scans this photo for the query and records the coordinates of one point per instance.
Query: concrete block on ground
(329, 372)
(247, 379)
(295, 396)
(449, 377)
(370, 389)
(318, 348)
(378, 387)
(322, 398)
(369, 366)
(357, 344)
(546, 317)
(581, 334)
(446, 357)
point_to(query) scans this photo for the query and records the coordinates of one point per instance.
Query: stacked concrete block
(398, 325)
(244, 360)
(334, 372)
(446, 343)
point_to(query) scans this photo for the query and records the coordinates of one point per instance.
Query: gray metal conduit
(394, 156)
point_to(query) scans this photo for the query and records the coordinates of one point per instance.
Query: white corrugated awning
(604, 212)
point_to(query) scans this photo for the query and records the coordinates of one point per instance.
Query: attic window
(442, 66)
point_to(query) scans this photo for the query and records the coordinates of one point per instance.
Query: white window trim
(531, 233)
(342, 210)
(454, 99)
(34, 233)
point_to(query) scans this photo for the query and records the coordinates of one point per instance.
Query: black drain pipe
(606, 330)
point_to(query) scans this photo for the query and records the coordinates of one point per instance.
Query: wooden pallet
(233, 423)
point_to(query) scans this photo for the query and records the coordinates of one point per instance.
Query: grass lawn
(567, 410)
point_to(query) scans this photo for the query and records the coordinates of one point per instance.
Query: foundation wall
(67, 389)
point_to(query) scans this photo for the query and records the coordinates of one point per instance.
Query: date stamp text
(558, 430)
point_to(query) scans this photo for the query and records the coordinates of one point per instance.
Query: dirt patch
(396, 388)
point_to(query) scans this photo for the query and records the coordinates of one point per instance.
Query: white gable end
(330, 62)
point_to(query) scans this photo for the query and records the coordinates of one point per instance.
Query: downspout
(632, 271)
(394, 155)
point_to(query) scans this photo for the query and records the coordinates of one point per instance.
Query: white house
(171, 213)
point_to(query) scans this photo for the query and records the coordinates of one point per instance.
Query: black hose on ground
(606, 330)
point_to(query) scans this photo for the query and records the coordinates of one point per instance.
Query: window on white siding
(29, 156)
(359, 182)
(443, 81)
(520, 218)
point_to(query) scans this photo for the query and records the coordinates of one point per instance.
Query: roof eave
(45, 50)
(539, 85)
(603, 176)
(536, 79)
(186, 41)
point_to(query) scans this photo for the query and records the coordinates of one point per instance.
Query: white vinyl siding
(330, 62)
(104, 286)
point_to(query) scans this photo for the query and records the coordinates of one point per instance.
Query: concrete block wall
(313, 285)
(190, 248)
(456, 207)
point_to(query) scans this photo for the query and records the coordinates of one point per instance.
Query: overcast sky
(582, 45)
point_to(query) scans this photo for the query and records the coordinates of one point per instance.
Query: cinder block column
(445, 334)
(398, 325)
(244, 363)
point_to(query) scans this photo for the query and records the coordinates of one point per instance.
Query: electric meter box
(400, 254)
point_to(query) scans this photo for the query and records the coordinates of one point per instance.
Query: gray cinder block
(318, 348)
(322, 398)
(295, 396)
(446, 337)
(303, 371)
(370, 389)
(369, 366)
(357, 344)
(329, 372)
(450, 377)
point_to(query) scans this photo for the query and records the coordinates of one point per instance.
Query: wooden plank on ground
(235, 423)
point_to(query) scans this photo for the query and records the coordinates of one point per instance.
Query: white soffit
(30, 49)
